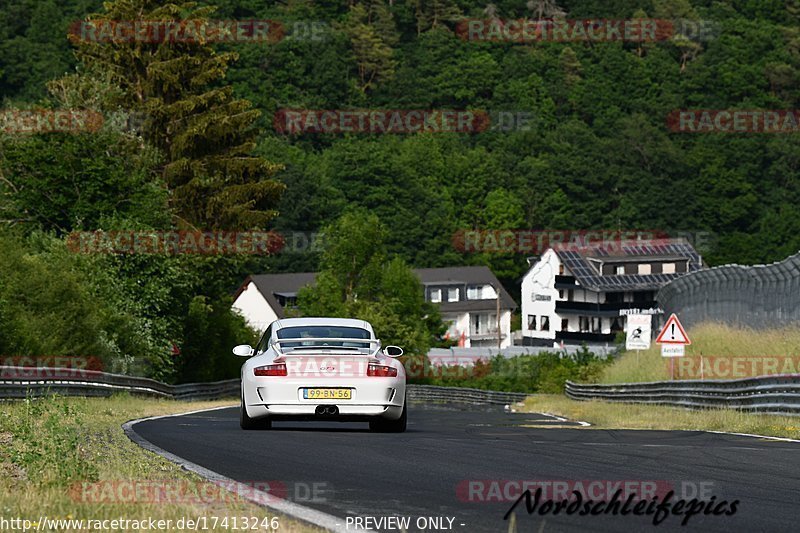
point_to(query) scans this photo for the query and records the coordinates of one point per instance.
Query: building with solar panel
(581, 295)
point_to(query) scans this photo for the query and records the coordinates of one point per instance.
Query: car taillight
(270, 370)
(380, 371)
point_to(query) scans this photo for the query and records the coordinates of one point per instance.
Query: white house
(581, 295)
(467, 298)
(261, 299)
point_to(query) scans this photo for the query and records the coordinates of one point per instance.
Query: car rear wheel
(381, 425)
(245, 422)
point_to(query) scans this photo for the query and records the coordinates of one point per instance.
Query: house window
(668, 268)
(474, 292)
(544, 322)
(484, 324)
(619, 270)
(595, 324)
(560, 294)
(532, 322)
(565, 324)
(436, 295)
(584, 324)
(644, 268)
(452, 294)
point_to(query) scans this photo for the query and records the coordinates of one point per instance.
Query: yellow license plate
(327, 394)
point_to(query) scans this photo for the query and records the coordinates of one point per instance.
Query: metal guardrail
(22, 382)
(435, 393)
(778, 395)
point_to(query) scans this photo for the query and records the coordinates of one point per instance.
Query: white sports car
(322, 369)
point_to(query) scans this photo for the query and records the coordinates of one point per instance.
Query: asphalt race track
(346, 471)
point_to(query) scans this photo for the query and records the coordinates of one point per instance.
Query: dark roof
(577, 261)
(270, 285)
(288, 284)
(467, 275)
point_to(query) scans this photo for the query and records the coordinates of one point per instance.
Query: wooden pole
(499, 339)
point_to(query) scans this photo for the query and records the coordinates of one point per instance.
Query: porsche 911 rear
(344, 384)
(334, 385)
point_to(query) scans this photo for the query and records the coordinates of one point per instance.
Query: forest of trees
(598, 153)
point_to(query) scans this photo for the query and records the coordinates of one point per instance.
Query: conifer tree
(205, 133)
(370, 41)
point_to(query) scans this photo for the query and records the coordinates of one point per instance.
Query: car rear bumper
(282, 398)
(345, 414)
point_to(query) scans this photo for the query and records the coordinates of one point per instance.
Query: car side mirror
(243, 350)
(393, 351)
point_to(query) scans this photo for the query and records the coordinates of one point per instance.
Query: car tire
(247, 423)
(381, 425)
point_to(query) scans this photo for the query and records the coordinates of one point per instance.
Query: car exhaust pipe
(327, 410)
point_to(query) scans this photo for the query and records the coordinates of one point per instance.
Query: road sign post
(638, 332)
(673, 340)
(673, 332)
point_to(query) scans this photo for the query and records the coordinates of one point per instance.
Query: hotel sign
(637, 311)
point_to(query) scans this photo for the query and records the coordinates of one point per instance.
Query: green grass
(708, 340)
(609, 415)
(50, 447)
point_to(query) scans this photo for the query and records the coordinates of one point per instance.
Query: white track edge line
(768, 437)
(562, 419)
(263, 499)
(782, 439)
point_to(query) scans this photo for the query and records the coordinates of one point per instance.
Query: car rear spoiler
(320, 340)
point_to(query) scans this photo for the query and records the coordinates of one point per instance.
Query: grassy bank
(708, 340)
(607, 415)
(54, 448)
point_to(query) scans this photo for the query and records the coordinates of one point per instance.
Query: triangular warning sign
(673, 332)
